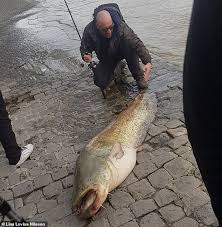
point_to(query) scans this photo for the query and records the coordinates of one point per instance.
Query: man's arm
(86, 47)
(135, 42)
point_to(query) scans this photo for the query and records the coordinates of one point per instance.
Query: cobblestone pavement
(54, 105)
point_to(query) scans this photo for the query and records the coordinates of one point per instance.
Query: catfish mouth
(89, 204)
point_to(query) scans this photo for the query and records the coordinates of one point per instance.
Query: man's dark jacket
(107, 49)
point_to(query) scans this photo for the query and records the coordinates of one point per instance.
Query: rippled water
(161, 24)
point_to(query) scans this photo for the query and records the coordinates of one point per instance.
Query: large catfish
(110, 156)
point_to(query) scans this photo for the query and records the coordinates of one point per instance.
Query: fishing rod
(92, 64)
(73, 20)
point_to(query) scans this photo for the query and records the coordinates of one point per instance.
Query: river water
(161, 24)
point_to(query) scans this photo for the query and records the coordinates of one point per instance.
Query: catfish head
(91, 184)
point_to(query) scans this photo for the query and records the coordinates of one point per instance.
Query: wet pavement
(54, 104)
(11, 8)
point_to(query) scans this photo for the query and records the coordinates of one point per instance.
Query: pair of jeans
(7, 136)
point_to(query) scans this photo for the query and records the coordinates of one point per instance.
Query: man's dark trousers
(7, 136)
(104, 71)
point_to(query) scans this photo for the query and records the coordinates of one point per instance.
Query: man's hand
(147, 71)
(87, 57)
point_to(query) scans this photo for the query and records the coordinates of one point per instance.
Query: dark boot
(141, 83)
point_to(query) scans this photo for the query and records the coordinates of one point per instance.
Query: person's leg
(103, 74)
(132, 60)
(7, 136)
(202, 95)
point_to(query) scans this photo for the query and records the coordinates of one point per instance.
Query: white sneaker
(25, 153)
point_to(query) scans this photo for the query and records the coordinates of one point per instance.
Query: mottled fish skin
(110, 156)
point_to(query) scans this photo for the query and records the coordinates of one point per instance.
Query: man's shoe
(25, 153)
(142, 84)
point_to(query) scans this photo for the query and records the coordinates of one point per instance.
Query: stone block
(141, 189)
(52, 189)
(142, 207)
(152, 220)
(160, 179)
(28, 211)
(23, 189)
(45, 205)
(67, 182)
(179, 167)
(60, 173)
(120, 199)
(120, 217)
(164, 197)
(144, 169)
(186, 222)
(34, 197)
(171, 213)
(42, 181)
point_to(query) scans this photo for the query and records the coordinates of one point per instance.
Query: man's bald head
(104, 23)
(103, 17)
